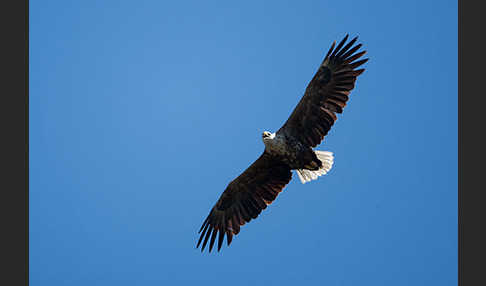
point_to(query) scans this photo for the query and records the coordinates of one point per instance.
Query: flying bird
(290, 148)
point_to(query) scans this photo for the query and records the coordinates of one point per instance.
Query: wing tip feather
(339, 46)
(330, 51)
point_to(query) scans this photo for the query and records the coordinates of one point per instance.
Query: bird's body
(290, 148)
(291, 151)
(287, 149)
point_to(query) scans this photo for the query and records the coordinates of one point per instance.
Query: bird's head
(267, 135)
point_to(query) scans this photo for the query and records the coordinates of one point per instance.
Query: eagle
(290, 148)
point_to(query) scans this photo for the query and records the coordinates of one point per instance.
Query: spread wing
(244, 199)
(326, 94)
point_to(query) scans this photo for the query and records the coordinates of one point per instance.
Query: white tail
(327, 160)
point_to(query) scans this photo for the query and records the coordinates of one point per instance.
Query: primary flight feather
(290, 148)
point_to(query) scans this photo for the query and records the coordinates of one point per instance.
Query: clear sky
(141, 112)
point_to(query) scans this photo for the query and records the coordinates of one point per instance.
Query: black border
(471, 111)
(14, 134)
(27, 271)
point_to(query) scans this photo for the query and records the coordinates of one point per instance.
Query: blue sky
(141, 112)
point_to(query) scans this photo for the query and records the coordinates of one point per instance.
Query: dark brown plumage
(244, 199)
(326, 94)
(259, 185)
